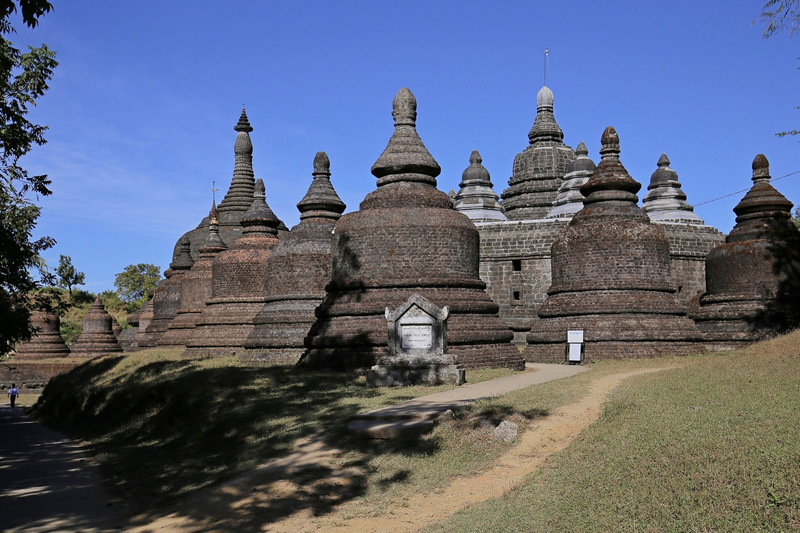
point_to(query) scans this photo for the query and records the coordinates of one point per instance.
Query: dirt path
(245, 495)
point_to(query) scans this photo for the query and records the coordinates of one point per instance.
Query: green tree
(796, 217)
(23, 79)
(67, 275)
(780, 16)
(134, 282)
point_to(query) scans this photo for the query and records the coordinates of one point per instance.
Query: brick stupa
(195, 289)
(298, 270)
(406, 239)
(238, 198)
(540, 168)
(611, 276)
(753, 279)
(166, 297)
(238, 284)
(97, 337)
(475, 197)
(46, 342)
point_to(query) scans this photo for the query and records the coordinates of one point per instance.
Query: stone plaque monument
(417, 347)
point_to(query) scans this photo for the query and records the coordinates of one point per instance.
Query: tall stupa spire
(240, 193)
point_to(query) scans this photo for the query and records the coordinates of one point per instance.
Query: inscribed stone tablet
(416, 337)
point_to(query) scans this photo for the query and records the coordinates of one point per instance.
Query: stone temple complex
(493, 282)
(406, 239)
(753, 279)
(611, 276)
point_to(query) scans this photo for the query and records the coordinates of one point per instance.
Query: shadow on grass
(165, 429)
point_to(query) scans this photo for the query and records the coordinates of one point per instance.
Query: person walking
(13, 392)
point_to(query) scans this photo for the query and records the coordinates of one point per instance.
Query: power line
(744, 190)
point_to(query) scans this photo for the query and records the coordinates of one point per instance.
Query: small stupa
(298, 270)
(540, 168)
(97, 337)
(475, 197)
(611, 276)
(665, 201)
(238, 284)
(195, 288)
(570, 200)
(46, 342)
(753, 279)
(166, 298)
(406, 241)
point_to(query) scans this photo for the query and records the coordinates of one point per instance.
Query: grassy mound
(161, 426)
(712, 446)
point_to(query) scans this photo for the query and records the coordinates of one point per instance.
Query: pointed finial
(213, 214)
(760, 168)
(581, 150)
(243, 124)
(322, 165)
(609, 143)
(663, 161)
(545, 97)
(404, 108)
(475, 158)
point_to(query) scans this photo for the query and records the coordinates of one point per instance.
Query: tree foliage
(135, 281)
(782, 16)
(23, 79)
(68, 276)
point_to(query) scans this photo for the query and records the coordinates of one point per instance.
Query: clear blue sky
(142, 107)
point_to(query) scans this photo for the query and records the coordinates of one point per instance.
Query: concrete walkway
(47, 483)
(416, 415)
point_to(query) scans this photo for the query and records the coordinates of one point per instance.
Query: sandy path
(236, 503)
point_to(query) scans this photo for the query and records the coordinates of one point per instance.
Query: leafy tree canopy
(135, 281)
(780, 16)
(67, 275)
(23, 79)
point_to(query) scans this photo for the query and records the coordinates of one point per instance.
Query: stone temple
(97, 337)
(753, 279)
(298, 270)
(47, 341)
(566, 246)
(406, 239)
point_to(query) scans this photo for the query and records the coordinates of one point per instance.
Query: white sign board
(575, 336)
(574, 353)
(416, 337)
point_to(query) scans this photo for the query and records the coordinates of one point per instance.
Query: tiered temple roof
(665, 201)
(475, 197)
(540, 168)
(46, 342)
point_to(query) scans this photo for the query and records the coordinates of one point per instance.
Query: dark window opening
(516, 295)
(516, 265)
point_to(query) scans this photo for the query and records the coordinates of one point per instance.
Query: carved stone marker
(417, 347)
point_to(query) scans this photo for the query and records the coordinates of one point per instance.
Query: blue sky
(142, 106)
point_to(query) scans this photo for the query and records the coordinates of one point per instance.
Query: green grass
(712, 446)
(161, 426)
